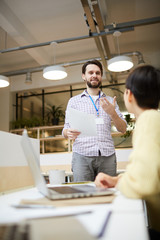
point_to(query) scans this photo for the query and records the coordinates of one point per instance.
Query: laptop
(57, 192)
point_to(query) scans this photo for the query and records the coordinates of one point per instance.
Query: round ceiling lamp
(54, 72)
(120, 64)
(4, 81)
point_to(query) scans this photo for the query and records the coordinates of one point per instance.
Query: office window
(30, 107)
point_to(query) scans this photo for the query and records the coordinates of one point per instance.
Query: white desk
(127, 221)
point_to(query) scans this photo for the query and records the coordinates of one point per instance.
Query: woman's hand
(105, 181)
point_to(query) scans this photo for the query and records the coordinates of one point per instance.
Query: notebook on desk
(61, 192)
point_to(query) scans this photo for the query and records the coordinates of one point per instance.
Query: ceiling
(31, 22)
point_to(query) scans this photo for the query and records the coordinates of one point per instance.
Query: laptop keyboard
(75, 189)
(66, 190)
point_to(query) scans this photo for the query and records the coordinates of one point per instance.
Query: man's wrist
(65, 133)
(113, 115)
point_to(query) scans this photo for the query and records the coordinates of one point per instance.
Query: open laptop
(61, 192)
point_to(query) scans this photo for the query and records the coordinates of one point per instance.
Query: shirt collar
(84, 93)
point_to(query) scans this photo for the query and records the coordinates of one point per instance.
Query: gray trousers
(86, 168)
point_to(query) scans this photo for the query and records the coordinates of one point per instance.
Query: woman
(142, 176)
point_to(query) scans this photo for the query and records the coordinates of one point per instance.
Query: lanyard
(97, 109)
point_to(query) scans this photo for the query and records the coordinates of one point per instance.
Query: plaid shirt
(90, 146)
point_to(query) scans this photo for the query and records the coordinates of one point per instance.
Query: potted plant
(55, 114)
(26, 123)
(130, 125)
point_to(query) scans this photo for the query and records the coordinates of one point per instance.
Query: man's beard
(89, 84)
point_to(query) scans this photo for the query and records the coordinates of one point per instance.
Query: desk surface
(127, 221)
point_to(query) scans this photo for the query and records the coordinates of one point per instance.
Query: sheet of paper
(83, 122)
(58, 228)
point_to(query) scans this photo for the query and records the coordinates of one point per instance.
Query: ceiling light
(119, 64)
(4, 81)
(54, 72)
(28, 78)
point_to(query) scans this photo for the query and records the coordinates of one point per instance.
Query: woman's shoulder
(149, 119)
(150, 114)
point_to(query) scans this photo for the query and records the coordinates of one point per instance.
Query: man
(94, 154)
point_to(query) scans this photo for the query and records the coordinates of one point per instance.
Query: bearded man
(94, 154)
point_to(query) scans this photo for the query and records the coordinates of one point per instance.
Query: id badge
(99, 120)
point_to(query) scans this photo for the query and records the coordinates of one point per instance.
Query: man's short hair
(95, 62)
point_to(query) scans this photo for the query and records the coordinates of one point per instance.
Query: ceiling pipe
(64, 40)
(39, 69)
(110, 29)
(136, 23)
(137, 54)
(68, 64)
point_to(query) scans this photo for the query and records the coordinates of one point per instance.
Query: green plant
(130, 126)
(26, 123)
(55, 114)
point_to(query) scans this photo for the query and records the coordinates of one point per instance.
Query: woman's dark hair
(95, 62)
(144, 83)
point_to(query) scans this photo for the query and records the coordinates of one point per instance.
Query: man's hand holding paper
(81, 123)
(72, 133)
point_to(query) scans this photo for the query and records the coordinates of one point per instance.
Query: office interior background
(35, 34)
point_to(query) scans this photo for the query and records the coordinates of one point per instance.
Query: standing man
(94, 154)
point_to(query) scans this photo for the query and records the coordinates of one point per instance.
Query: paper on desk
(83, 122)
(72, 229)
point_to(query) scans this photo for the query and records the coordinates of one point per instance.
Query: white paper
(83, 122)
